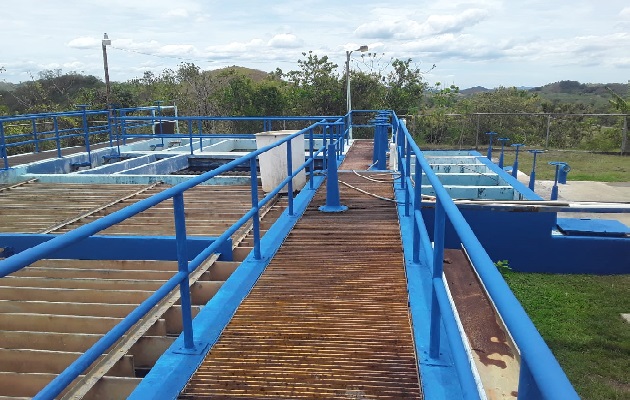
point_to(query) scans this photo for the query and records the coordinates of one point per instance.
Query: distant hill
(575, 87)
(476, 89)
(594, 95)
(591, 94)
(255, 75)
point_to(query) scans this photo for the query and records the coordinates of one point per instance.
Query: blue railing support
(532, 175)
(438, 267)
(311, 145)
(333, 203)
(547, 377)
(256, 217)
(417, 208)
(490, 136)
(515, 166)
(289, 173)
(34, 128)
(3, 149)
(182, 266)
(86, 130)
(57, 139)
(407, 174)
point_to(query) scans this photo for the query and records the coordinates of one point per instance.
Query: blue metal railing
(185, 267)
(59, 128)
(119, 125)
(541, 377)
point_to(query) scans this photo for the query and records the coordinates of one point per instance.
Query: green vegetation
(579, 318)
(585, 166)
(555, 116)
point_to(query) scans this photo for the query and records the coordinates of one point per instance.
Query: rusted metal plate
(359, 156)
(62, 307)
(496, 358)
(328, 318)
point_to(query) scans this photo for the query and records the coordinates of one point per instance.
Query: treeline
(436, 114)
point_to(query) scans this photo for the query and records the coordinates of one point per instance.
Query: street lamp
(106, 42)
(348, 95)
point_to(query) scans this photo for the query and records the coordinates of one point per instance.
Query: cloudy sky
(476, 42)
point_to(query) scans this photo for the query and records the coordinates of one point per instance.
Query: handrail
(185, 267)
(541, 375)
(116, 125)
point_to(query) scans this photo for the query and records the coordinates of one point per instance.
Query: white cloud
(84, 43)
(625, 13)
(391, 26)
(177, 12)
(285, 41)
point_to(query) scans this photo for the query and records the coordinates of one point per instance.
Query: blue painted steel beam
(114, 247)
(546, 373)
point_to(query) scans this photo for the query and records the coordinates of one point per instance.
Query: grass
(585, 166)
(579, 318)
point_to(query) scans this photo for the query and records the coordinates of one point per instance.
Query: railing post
(490, 136)
(3, 146)
(333, 203)
(190, 136)
(339, 140)
(34, 125)
(182, 266)
(109, 129)
(417, 208)
(86, 131)
(57, 138)
(311, 144)
(325, 146)
(123, 125)
(289, 173)
(200, 127)
(255, 217)
(438, 266)
(515, 166)
(407, 175)
(532, 176)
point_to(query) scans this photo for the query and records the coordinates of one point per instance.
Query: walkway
(329, 316)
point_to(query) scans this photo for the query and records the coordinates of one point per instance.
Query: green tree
(316, 87)
(405, 88)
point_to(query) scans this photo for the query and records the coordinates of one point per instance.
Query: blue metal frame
(541, 376)
(185, 264)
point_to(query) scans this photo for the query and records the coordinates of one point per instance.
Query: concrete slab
(626, 317)
(586, 191)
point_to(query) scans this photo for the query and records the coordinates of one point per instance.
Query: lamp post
(106, 42)
(348, 95)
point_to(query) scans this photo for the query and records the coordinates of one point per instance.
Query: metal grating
(54, 310)
(329, 316)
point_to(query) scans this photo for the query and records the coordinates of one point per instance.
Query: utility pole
(106, 42)
(348, 95)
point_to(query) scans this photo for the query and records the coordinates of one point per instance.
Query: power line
(162, 55)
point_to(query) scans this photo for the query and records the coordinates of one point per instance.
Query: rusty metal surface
(33, 207)
(328, 318)
(359, 156)
(59, 308)
(493, 351)
(210, 210)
